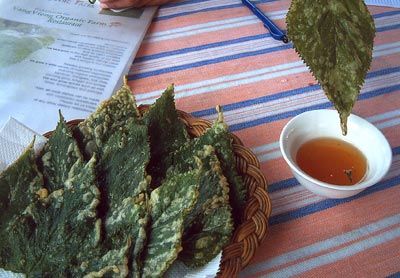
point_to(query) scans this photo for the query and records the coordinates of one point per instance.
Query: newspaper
(63, 55)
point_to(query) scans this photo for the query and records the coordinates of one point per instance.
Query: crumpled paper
(179, 269)
(15, 137)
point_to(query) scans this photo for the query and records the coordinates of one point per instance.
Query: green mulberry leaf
(170, 203)
(209, 226)
(218, 136)
(111, 115)
(167, 134)
(124, 184)
(335, 39)
(60, 154)
(120, 251)
(53, 233)
(19, 185)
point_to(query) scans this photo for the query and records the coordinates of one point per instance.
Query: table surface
(219, 53)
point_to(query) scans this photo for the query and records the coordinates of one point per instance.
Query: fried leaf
(170, 203)
(209, 226)
(60, 154)
(119, 254)
(218, 136)
(123, 181)
(335, 39)
(167, 133)
(122, 165)
(18, 186)
(111, 115)
(50, 237)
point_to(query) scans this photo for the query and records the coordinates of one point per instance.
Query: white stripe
(191, 7)
(387, 21)
(338, 254)
(384, 116)
(292, 198)
(270, 156)
(266, 148)
(327, 244)
(227, 81)
(386, 46)
(218, 25)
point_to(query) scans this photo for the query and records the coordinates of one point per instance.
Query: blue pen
(275, 32)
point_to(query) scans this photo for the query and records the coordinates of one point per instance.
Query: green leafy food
(170, 203)
(123, 154)
(335, 39)
(19, 185)
(107, 119)
(123, 179)
(218, 136)
(51, 236)
(120, 251)
(167, 133)
(85, 207)
(60, 145)
(208, 227)
(122, 166)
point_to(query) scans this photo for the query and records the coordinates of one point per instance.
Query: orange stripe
(328, 223)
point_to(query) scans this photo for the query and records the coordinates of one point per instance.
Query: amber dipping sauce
(331, 160)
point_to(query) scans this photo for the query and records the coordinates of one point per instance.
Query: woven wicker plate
(253, 228)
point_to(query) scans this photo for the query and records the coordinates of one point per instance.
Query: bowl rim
(362, 184)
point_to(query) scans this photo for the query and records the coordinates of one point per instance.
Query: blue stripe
(185, 13)
(255, 101)
(209, 62)
(395, 12)
(394, 275)
(284, 184)
(329, 203)
(396, 150)
(388, 28)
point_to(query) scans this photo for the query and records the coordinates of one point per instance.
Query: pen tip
(285, 39)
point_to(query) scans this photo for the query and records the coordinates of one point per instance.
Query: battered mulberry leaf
(122, 164)
(209, 226)
(335, 39)
(50, 237)
(120, 253)
(123, 181)
(167, 133)
(115, 133)
(170, 203)
(60, 153)
(218, 136)
(111, 115)
(18, 186)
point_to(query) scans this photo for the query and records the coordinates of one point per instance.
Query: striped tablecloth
(217, 52)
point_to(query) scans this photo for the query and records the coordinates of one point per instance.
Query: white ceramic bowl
(325, 123)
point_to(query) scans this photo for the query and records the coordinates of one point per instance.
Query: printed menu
(63, 56)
